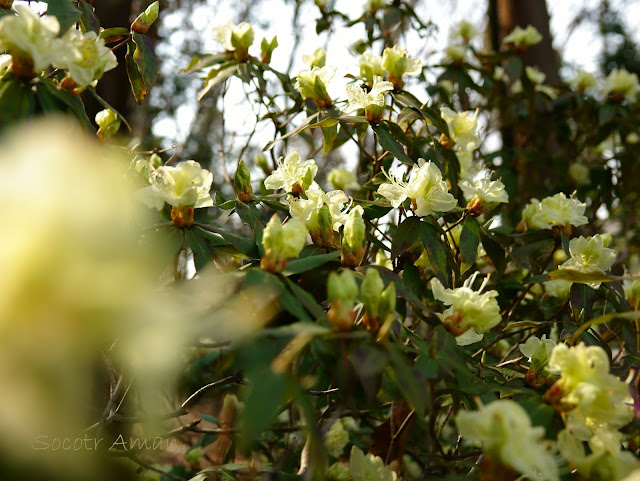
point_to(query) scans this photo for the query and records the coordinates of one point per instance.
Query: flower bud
(370, 291)
(281, 242)
(353, 238)
(343, 179)
(397, 63)
(342, 291)
(522, 38)
(241, 40)
(242, 183)
(312, 85)
(322, 235)
(261, 161)
(108, 123)
(267, 48)
(317, 59)
(387, 303)
(155, 161)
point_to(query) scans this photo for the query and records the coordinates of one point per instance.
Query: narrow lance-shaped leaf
(469, 240)
(436, 250)
(135, 78)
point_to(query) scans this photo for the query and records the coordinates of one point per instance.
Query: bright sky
(578, 48)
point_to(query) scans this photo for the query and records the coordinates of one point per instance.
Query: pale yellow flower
(471, 313)
(397, 63)
(86, 57)
(487, 192)
(291, 171)
(369, 467)
(426, 189)
(530, 347)
(557, 210)
(317, 59)
(373, 101)
(343, 179)
(185, 185)
(622, 84)
(307, 209)
(523, 37)
(589, 255)
(607, 460)
(465, 31)
(507, 436)
(592, 397)
(29, 35)
(462, 128)
(243, 32)
(455, 53)
(583, 81)
(370, 66)
(286, 240)
(336, 439)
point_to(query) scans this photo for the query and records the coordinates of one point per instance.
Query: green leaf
(606, 112)
(288, 302)
(146, 60)
(261, 404)
(579, 277)
(390, 144)
(409, 380)
(242, 244)
(202, 253)
(469, 240)
(581, 299)
(298, 266)
(494, 250)
(135, 77)
(16, 100)
(329, 134)
(113, 34)
(306, 299)
(65, 11)
(402, 289)
(436, 250)
(250, 214)
(406, 235)
(217, 76)
(209, 418)
(88, 20)
(53, 98)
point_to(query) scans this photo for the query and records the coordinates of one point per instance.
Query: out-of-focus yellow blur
(77, 284)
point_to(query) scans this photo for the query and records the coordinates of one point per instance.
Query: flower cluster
(34, 46)
(508, 439)
(590, 255)
(292, 174)
(470, 313)
(426, 189)
(184, 187)
(557, 210)
(589, 396)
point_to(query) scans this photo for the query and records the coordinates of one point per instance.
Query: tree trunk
(114, 86)
(505, 15)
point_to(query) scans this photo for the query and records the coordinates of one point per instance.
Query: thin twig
(234, 379)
